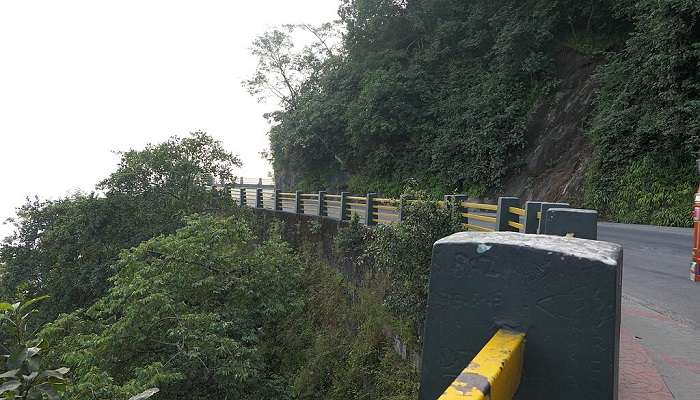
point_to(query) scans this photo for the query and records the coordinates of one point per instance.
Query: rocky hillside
(593, 102)
(558, 153)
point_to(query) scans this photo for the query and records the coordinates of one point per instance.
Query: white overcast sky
(79, 79)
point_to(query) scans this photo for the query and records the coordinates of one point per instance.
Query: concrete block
(582, 224)
(298, 209)
(503, 216)
(564, 293)
(278, 201)
(343, 205)
(369, 211)
(258, 198)
(321, 201)
(543, 209)
(532, 223)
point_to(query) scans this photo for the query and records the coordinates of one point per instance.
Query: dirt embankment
(558, 153)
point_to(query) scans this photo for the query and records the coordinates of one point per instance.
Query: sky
(81, 79)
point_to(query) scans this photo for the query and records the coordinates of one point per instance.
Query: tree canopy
(64, 248)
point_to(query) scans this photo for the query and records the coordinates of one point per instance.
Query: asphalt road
(657, 268)
(660, 349)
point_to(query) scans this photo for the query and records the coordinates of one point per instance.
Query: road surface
(660, 338)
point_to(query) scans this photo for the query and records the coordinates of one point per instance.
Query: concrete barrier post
(278, 200)
(456, 203)
(543, 212)
(297, 203)
(259, 198)
(532, 222)
(243, 197)
(321, 201)
(503, 216)
(369, 218)
(343, 205)
(563, 293)
(580, 223)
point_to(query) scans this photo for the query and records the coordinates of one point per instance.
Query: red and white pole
(695, 265)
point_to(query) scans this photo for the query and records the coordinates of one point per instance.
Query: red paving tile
(639, 379)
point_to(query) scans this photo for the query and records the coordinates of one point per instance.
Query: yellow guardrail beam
(516, 225)
(473, 227)
(517, 211)
(479, 217)
(479, 206)
(494, 374)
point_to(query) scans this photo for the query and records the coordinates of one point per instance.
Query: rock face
(558, 153)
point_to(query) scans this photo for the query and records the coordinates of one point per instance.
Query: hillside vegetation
(161, 287)
(449, 94)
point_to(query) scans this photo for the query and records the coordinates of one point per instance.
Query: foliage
(402, 253)
(648, 194)
(437, 90)
(647, 121)
(336, 347)
(212, 312)
(150, 296)
(172, 179)
(445, 92)
(189, 313)
(64, 248)
(23, 375)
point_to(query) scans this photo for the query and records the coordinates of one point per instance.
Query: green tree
(190, 313)
(648, 116)
(64, 248)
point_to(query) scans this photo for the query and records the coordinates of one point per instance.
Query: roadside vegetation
(159, 287)
(444, 92)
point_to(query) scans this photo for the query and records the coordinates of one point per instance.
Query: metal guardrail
(372, 210)
(506, 215)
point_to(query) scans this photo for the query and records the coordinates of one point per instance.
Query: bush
(402, 253)
(644, 193)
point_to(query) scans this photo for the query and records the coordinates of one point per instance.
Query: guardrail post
(243, 197)
(369, 218)
(582, 224)
(402, 205)
(503, 216)
(278, 201)
(564, 293)
(297, 203)
(532, 223)
(321, 200)
(258, 198)
(543, 212)
(343, 205)
(456, 205)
